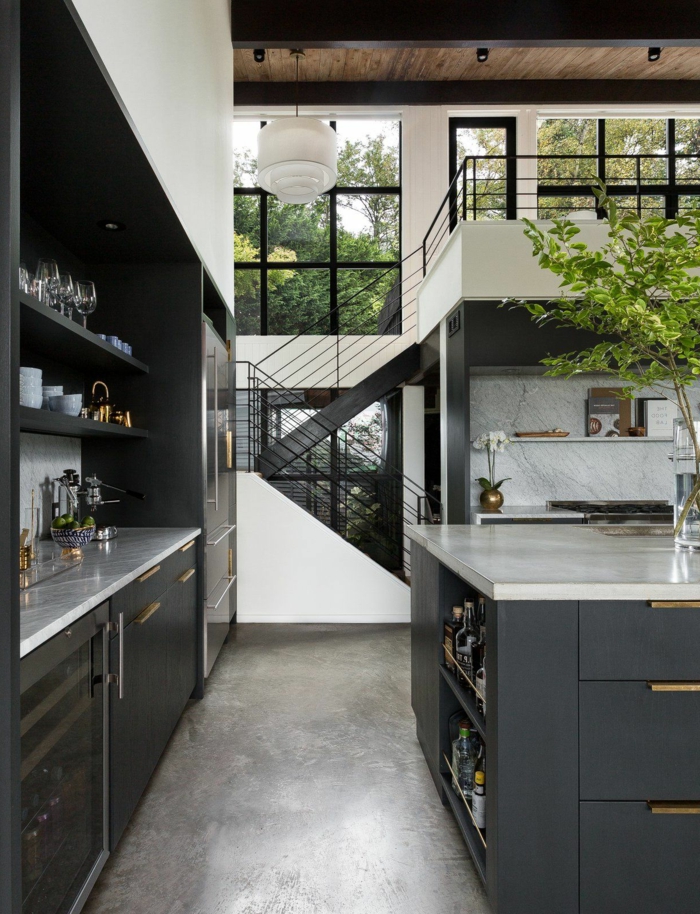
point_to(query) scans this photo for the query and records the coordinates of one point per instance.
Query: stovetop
(659, 512)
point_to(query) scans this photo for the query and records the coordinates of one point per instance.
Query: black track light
(654, 54)
(482, 54)
(259, 55)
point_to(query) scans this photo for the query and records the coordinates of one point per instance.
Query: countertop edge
(575, 591)
(27, 645)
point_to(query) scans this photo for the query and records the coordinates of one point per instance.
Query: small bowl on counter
(637, 431)
(68, 404)
(73, 539)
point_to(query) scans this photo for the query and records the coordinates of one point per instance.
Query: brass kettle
(101, 409)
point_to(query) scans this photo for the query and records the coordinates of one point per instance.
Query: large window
(300, 267)
(641, 159)
(488, 190)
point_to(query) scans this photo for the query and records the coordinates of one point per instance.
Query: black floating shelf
(49, 333)
(47, 423)
(467, 700)
(467, 827)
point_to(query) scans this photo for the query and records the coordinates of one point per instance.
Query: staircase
(294, 428)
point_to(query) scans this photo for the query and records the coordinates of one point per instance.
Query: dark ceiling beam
(454, 23)
(472, 92)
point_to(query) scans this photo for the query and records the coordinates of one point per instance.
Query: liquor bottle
(450, 636)
(479, 800)
(466, 640)
(480, 682)
(463, 761)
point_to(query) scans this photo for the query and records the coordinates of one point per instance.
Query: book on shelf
(609, 413)
(657, 415)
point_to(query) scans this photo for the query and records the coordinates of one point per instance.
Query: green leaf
(497, 485)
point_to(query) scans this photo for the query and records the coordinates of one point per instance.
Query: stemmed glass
(47, 273)
(66, 295)
(85, 299)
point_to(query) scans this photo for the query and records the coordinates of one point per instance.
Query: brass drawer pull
(187, 546)
(674, 604)
(186, 576)
(148, 573)
(674, 808)
(674, 686)
(146, 614)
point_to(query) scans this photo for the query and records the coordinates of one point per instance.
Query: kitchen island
(590, 733)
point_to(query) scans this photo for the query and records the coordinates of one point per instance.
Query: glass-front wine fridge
(64, 766)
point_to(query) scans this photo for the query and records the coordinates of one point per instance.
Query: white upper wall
(172, 65)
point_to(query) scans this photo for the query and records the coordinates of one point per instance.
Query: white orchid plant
(493, 443)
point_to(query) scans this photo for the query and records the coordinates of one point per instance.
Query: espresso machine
(92, 493)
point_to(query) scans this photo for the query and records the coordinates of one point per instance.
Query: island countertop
(563, 563)
(51, 605)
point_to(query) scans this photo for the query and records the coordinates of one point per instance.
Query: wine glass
(66, 295)
(85, 299)
(23, 278)
(47, 273)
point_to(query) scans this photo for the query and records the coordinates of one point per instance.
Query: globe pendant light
(297, 156)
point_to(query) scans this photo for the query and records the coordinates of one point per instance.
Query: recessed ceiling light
(482, 54)
(654, 54)
(111, 225)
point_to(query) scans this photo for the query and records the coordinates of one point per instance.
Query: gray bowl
(69, 404)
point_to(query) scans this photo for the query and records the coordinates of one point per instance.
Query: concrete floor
(296, 787)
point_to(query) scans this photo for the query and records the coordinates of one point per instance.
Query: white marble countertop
(524, 512)
(49, 606)
(563, 563)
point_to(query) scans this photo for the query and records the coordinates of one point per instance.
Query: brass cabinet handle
(674, 604)
(187, 546)
(146, 614)
(148, 573)
(186, 576)
(673, 686)
(229, 450)
(674, 807)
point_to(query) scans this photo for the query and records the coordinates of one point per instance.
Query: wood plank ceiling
(435, 64)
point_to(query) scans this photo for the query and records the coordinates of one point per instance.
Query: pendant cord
(297, 87)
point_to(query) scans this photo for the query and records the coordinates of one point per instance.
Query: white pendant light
(297, 156)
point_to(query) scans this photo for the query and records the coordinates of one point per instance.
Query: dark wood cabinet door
(131, 735)
(182, 643)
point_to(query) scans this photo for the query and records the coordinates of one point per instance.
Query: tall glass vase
(686, 469)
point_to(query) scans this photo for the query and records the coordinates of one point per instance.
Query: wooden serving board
(542, 434)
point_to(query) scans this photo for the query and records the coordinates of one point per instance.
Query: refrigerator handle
(215, 499)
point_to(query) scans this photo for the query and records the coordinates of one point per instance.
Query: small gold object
(186, 576)
(127, 419)
(674, 807)
(146, 614)
(491, 499)
(25, 557)
(674, 686)
(187, 546)
(148, 573)
(101, 409)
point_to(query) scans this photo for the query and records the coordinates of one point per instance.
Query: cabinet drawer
(634, 861)
(635, 640)
(135, 597)
(638, 744)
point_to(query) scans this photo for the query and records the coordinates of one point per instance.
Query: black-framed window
(294, 264)
(489, 189)
(648, 163)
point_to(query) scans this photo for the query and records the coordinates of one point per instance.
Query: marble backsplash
(42, 459)
(560, 469)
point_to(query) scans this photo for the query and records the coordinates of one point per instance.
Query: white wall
(172, 65)
(294, 569)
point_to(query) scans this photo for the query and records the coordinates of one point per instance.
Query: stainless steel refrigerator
(220, 533)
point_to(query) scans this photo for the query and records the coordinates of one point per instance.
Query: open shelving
(465, 696)
(588, 440)
(51, 334)
(45, 422)
(472, 836)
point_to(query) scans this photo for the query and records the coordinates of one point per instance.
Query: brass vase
(491, 499)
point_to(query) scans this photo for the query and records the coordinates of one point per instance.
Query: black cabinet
(158, 670)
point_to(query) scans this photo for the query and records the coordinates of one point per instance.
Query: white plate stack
(30, 393)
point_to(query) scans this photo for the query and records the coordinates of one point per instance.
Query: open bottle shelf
(467, 699)
(473, 838)
(48, 333)
(44, 422)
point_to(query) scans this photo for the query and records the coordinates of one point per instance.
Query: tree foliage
(639, 292)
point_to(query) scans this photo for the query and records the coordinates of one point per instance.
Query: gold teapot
(101, 409)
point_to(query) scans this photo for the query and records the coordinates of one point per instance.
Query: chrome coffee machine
(92, 493)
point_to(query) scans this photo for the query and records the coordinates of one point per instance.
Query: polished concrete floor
(296, 787)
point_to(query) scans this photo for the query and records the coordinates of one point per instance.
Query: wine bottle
(479, 800)
(450, 636)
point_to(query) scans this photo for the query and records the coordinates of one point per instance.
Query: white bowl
(26, 380)
(56, 391)
(30, 372)
(32, 400)
(69, 405)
